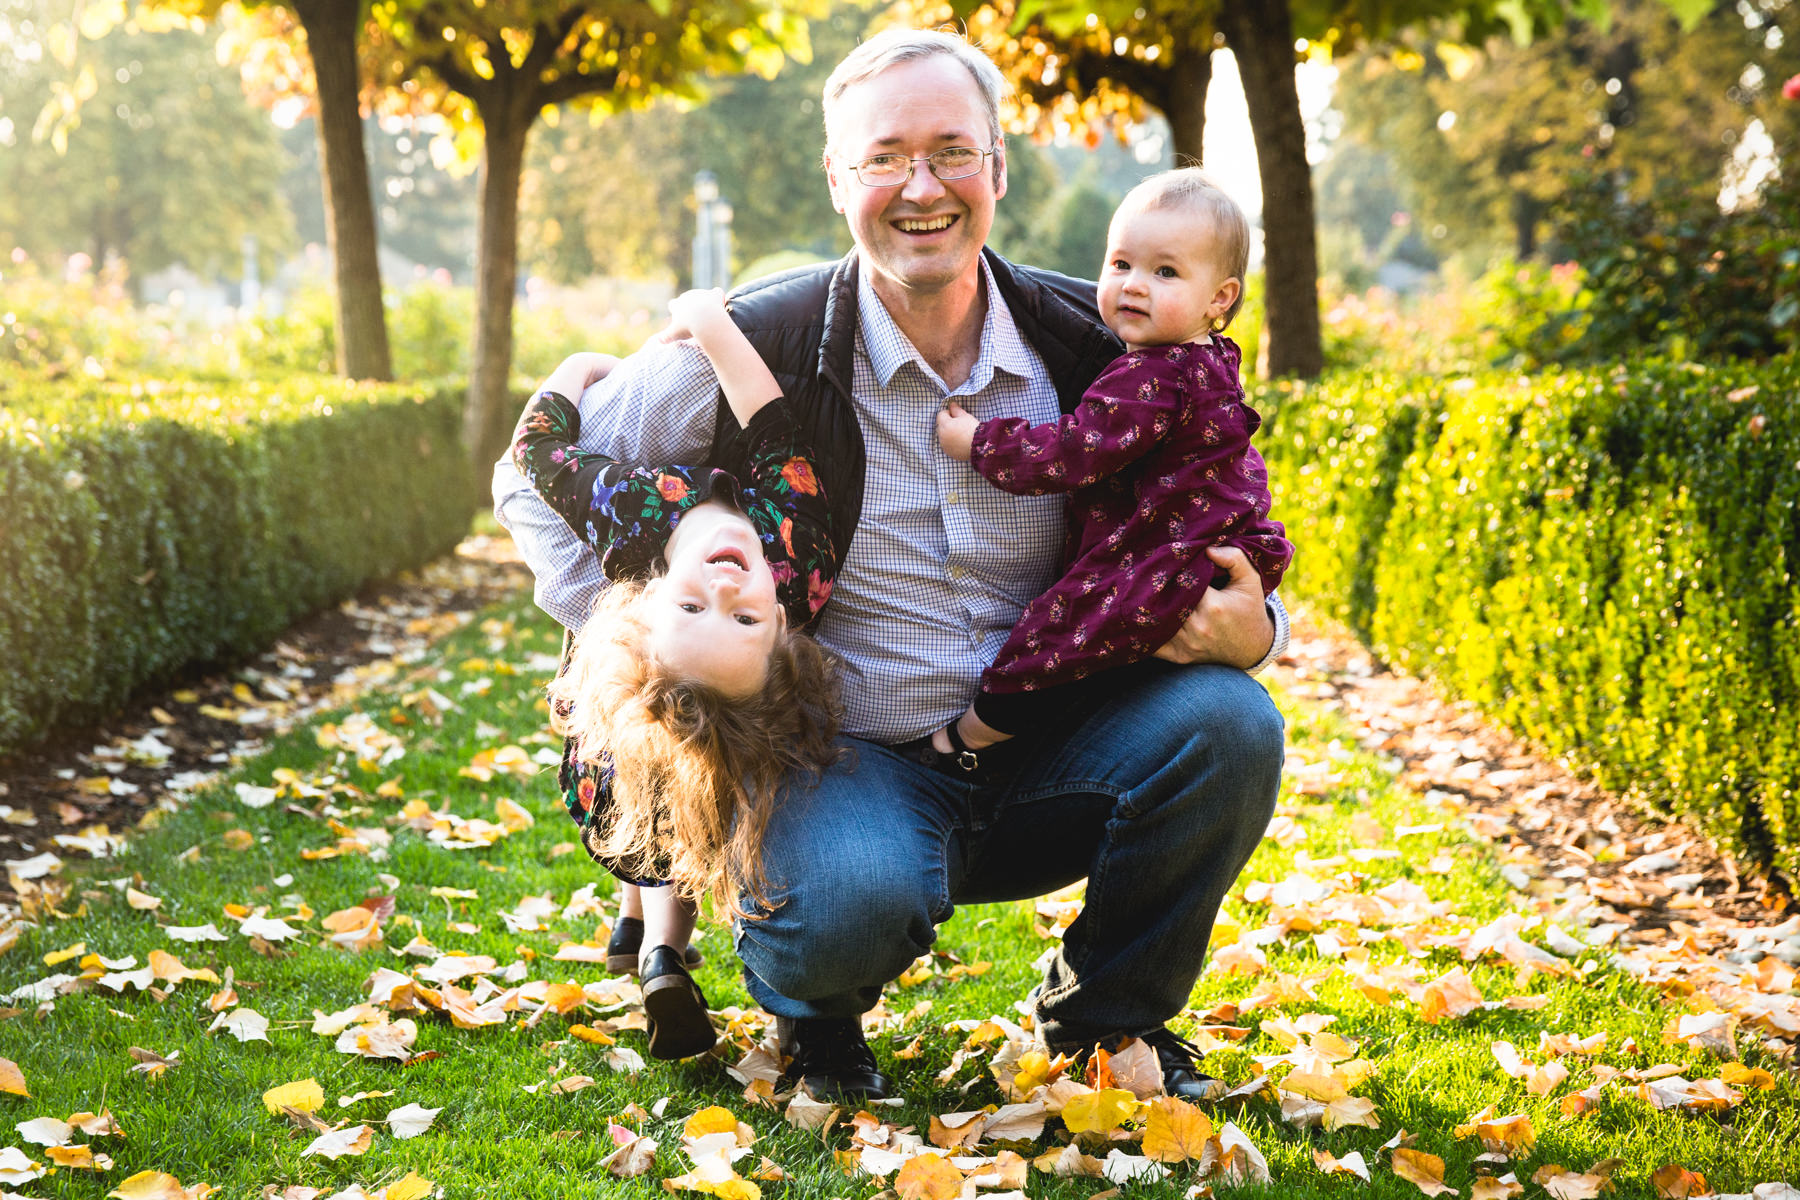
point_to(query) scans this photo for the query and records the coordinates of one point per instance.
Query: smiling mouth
(924, 224)
(734, 557)
(1136, 312)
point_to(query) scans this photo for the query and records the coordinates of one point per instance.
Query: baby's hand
(692, 314)
(956, 432)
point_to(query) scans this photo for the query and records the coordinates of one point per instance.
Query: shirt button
(957, 572)
(952, 498)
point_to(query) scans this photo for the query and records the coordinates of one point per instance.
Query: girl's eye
(688, 606)
(1119, 264)
(1166, 272)
(745, 620)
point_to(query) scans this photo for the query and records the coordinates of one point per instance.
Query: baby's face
(1161, 283)
(715, 615)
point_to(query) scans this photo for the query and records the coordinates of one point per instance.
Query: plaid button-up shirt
(941, 563)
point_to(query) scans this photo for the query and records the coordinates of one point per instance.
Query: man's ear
(831, 182)
(999, 167)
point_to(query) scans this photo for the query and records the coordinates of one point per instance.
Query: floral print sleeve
(786, 504)
(627, 513)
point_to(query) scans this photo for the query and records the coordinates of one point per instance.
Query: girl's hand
(956, 432)
(590, 366)
(694, 314)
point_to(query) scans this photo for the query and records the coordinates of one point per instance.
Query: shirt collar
(1003, 348)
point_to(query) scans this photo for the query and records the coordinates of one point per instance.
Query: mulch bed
(1559, 828)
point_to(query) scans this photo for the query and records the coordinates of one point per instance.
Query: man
(1156, 790)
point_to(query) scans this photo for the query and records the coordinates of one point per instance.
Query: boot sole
(676, 1013)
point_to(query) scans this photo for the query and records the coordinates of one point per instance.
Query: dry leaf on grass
(351, 1140)
(1675, 1182)
(1504, 1187)
(303, 1094)
(78, 1158)
(16, 1167)
(928, 1177)
(244, 1024)
(410, 1120)
(635, 1155)
(1425, 1171)
(155, 1185)
(46, 1131)
(1351, 1164)
(1099, 1112)
(1176, 1131)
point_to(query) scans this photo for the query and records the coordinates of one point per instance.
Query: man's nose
(923, 187)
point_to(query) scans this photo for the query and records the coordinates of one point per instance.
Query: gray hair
(892, 47)
(1194, 190)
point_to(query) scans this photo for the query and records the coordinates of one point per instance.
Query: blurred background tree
(168, 163)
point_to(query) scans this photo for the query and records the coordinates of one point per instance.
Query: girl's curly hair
(696, 773)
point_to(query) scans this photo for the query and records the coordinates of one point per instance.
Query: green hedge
(146, 531)
(1603, 560)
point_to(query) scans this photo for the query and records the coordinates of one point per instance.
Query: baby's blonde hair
(696, 773)
(1194, 190)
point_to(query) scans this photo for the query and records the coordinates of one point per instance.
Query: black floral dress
(626, 514)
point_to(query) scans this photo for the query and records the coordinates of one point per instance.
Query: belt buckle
(968, 760)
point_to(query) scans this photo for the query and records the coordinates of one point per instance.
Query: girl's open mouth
(734, 557)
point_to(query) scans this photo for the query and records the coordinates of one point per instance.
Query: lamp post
(712, 234)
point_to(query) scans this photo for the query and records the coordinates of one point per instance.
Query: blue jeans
(1157, 795)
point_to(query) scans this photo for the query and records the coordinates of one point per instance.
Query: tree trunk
(490, 412)
(1525, 222)
(1190, 74)
(362, 344)
(1262, 38)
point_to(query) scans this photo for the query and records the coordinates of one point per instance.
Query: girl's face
(1160, 285)
(714, 616)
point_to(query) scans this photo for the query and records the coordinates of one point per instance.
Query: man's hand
(956, 433)
(1231, 624)
(693, 314)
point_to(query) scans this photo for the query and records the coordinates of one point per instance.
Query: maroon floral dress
(626, 514)
(1158, 465)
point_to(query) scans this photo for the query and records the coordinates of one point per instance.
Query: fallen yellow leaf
(64, 955)
(142, 901)
(1176, 1131)
(155, 1185)
(408, 1187)
(1098, 1112)
(78, 1158)
(167, 967)
(303, 1094)
(928, 1177)
(1425, 1171)
(12, 1079)
(237, 839)
(716, 1119)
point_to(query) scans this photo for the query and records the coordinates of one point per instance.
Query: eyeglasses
(892, 170)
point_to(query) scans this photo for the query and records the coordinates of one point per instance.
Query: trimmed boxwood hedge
(1603, 560)
(152, 527)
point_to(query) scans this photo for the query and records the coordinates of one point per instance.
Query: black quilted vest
(803, 323)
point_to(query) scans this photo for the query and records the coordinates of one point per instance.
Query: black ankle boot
(830, 1058)
(674, 1007)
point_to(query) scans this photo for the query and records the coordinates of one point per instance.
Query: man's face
(926, 234)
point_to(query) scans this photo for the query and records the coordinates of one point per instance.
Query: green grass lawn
(203, 1120)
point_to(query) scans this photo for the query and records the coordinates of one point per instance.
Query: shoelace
(824, 1046)
(1174, 1051)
